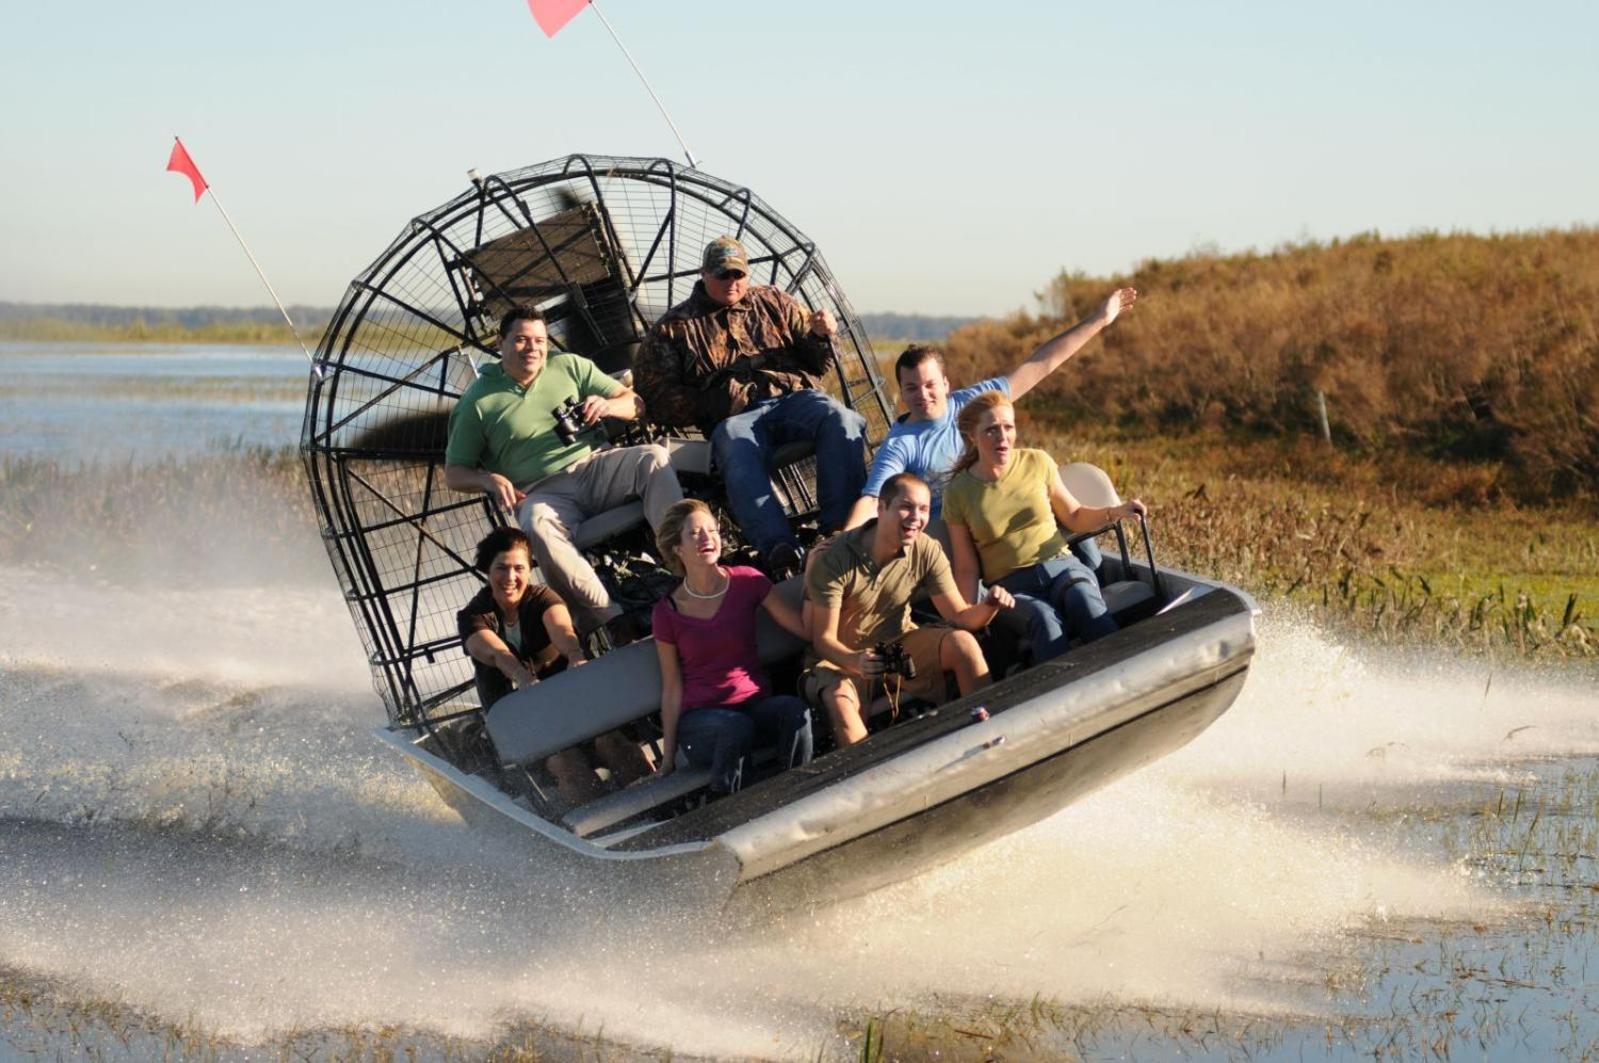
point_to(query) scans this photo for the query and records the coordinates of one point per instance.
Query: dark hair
(519, 313)
(894, 485)
(496, 543)
(915, 355)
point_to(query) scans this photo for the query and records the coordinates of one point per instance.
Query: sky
(948, 158)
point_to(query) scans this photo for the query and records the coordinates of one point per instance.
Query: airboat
(604, 245)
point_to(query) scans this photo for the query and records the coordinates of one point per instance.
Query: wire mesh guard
(604, 245)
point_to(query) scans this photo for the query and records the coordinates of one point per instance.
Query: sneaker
(784, 560)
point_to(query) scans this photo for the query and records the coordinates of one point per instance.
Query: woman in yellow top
(1005, 506)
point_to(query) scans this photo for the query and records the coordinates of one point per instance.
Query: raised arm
(1077, 517)
(1054, 352)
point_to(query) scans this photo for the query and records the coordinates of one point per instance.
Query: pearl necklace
(692, 593)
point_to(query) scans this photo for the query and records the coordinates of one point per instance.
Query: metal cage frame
(604, 244)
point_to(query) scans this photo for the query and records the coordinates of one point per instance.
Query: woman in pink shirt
(716, 701)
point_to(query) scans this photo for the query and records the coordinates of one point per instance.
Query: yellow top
(1010, 520)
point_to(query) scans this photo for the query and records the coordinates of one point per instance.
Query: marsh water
(81, 402)
(203, 850)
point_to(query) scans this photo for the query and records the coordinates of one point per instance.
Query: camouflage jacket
(704, 362)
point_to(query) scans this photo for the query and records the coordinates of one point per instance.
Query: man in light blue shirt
(925, 440)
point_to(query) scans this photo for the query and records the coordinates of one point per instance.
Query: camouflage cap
(724, 252)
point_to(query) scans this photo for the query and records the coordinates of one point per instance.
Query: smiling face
(925, 390)
(700, 541)
(508, 577)
(725, 286)
(523, 349)
(904, 515)
(996, 436)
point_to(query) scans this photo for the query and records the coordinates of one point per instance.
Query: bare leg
(574, 776)
(626, 761)
(843, 705)
(960, 653)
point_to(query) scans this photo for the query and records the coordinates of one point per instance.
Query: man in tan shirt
(860, 590)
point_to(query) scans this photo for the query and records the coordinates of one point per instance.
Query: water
(1369, 853)
(86, 402)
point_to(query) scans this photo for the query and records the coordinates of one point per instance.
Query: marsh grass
(1342, 539)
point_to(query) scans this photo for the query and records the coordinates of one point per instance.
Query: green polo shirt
(503, 427)
(874, 601)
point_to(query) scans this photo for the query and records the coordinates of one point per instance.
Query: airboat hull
(1055, 733)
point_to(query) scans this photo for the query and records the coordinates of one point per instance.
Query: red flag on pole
(181, 163)
(551, 15)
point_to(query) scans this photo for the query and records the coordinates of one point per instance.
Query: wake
(196, 820)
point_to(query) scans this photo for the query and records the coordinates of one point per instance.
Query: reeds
(1480, 350)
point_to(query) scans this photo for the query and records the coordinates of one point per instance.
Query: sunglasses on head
(729, 274)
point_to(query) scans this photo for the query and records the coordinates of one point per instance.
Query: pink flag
(181, 163)
(551, 15)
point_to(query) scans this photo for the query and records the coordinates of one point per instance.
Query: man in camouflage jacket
(740, 363)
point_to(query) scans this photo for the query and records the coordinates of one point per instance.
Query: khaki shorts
(922, 644)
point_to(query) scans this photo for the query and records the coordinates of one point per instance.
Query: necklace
(692, 593)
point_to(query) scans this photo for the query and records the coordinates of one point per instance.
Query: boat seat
(608, 524)
(1126, 597)
(624, 685)
(635, 800)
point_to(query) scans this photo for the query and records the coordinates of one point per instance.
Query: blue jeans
(1059, 599)
(720, 738)
(743, 444)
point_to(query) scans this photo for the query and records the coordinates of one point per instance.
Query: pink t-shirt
(721, 665)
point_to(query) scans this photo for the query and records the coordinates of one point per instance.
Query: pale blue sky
(945, 164)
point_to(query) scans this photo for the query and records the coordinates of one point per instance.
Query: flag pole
(647, 87)
(259, 272)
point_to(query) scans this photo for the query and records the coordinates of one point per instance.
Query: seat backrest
(1089, 484)
(624, 685)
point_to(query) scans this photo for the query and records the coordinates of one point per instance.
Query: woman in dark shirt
(518, 632)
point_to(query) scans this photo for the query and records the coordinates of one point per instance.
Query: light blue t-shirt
(927, 448)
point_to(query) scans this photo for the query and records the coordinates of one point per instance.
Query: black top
(536, 652)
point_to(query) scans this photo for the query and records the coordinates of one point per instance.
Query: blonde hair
(667, 536)
(968, 419)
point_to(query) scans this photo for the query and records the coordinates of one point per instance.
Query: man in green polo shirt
(859, 590)
(503, 442)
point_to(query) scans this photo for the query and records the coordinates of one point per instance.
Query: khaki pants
(921, 644)
(557, 506)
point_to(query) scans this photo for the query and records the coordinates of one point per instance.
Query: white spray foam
(1194, 882)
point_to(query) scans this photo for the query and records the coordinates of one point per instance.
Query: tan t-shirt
(1011, 521)
(874, 602)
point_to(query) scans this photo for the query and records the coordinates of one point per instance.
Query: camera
(569, 420)
(895, 660)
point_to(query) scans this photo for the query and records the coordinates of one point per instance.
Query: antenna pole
(693, 163)
(317, 369)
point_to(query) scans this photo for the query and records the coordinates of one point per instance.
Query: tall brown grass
(1471, 349)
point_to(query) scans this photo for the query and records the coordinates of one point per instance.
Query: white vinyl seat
(1090, 485)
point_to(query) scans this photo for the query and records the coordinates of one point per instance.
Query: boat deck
(786, 787)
